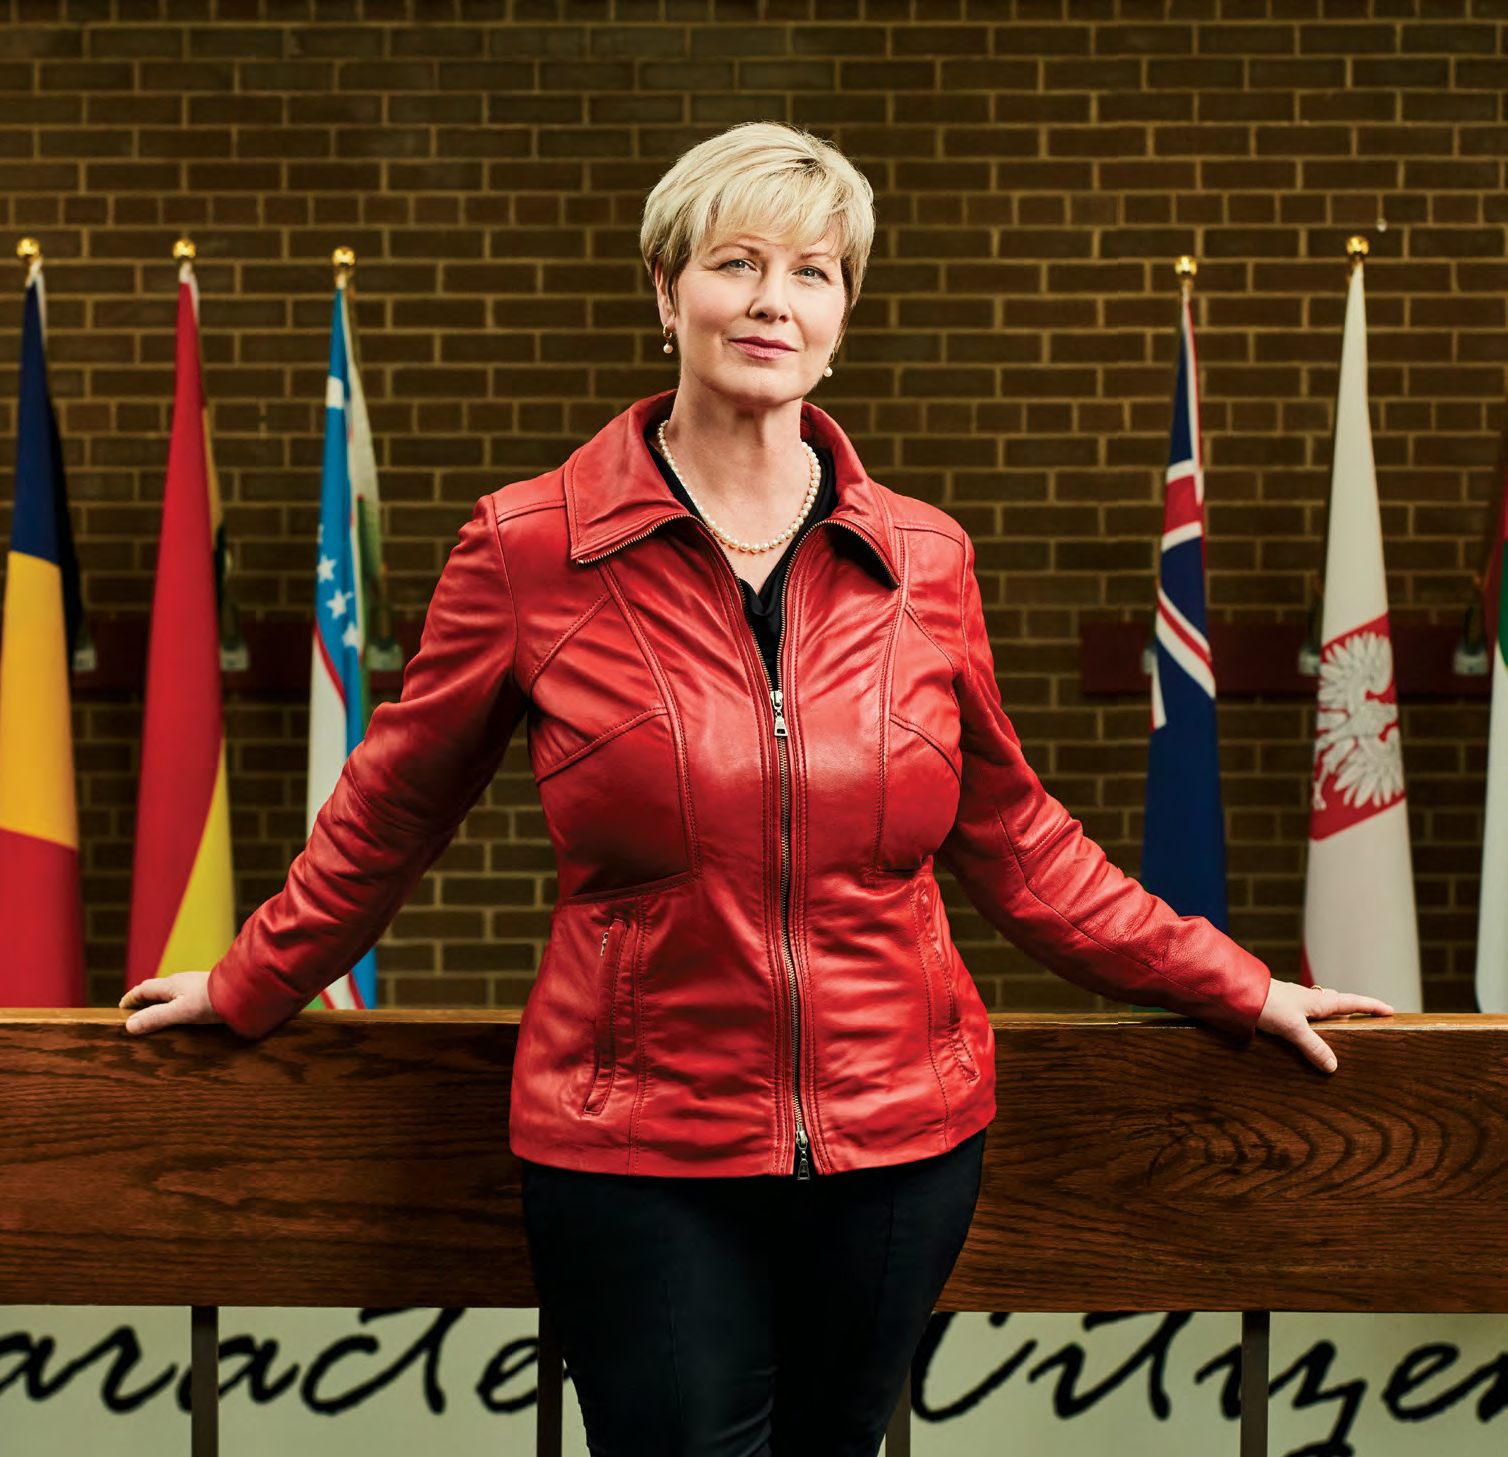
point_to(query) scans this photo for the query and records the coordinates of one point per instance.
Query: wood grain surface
(1136, 1163)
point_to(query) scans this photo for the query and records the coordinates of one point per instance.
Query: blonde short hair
(760, 177)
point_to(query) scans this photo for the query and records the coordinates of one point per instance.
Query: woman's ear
(662, 297)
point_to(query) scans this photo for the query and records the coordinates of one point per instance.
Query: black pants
(745, 1317)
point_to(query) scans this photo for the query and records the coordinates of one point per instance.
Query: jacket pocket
(612, 960)
(923, 763)
(932, 951)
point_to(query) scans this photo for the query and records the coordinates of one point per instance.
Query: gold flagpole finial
(1186, 268)
(28, 250)
(344, 260)
(184, 250)
(1357, 248)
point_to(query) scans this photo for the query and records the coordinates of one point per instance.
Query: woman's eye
(732, 261)
(815, 273)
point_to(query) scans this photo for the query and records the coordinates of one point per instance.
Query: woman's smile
(763, 348)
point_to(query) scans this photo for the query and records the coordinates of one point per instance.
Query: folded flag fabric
(41, 915)
(337, 688)
(1183, 839)
(182, 898)
(1492, 913)
(1360, 931)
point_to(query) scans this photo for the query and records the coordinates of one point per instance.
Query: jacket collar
(614, 493)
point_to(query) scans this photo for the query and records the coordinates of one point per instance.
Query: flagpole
(29, 251)
(337, 683)
(343, 260)
(1183, 833)
(40, 905)
(1487, 580)
(1359, 903)
(1312, 648)
(1186, 268)
(381, 651)
(234, 657)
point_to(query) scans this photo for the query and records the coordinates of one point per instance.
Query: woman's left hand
(1289, 1008)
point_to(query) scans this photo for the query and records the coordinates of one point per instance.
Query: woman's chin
(756, 388)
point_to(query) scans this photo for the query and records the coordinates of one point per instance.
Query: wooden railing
(1137, 1163)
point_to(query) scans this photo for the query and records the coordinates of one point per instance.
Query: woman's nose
(770, 302)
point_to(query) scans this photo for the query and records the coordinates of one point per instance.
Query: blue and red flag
(41, 916)
(1183, 841)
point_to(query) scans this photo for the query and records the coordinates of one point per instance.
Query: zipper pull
(803, 1171)
(602, 950)
(778, 698)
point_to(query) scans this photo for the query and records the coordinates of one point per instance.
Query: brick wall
(1038, 165)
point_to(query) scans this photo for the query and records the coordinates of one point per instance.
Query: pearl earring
(828, 372)
(669, 335)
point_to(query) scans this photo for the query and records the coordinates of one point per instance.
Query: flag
(1492, 913)
(1183, 839)
(1360, 931)
(41, 914)
(182, 900)
(337, 687)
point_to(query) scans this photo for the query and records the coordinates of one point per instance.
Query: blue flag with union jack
(1183, 842)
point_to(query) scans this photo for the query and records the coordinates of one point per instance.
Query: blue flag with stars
(337, 710)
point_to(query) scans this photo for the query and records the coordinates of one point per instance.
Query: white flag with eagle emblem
(1360, 931)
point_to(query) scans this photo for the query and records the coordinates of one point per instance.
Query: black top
(764, 608)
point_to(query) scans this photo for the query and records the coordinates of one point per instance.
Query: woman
(753, 1077)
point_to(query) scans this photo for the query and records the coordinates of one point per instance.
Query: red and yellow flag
(41, 917)
(182, 903)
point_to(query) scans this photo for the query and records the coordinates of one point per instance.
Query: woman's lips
(762, 351)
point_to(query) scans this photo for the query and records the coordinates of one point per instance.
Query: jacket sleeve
(1029, 869)
(403, 792)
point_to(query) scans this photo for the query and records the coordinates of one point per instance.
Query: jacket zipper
(603, 1035)
(793, 985)
(782, 760)
(777, 703)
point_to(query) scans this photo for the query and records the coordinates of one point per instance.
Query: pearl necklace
(813, 487)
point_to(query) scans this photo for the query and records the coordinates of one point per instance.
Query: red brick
(29, 42)
(1143, 40)
(1096, 75)
(1246, 40)
(1024, 38)
(1120, 141)
(1199, 74)
(1348, 40)
(1461, 40)
(79, 76)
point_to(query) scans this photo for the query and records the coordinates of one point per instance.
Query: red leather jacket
(749, 968)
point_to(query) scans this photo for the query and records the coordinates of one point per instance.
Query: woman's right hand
(166, 1000)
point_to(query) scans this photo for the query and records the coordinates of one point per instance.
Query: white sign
(98, 1382)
